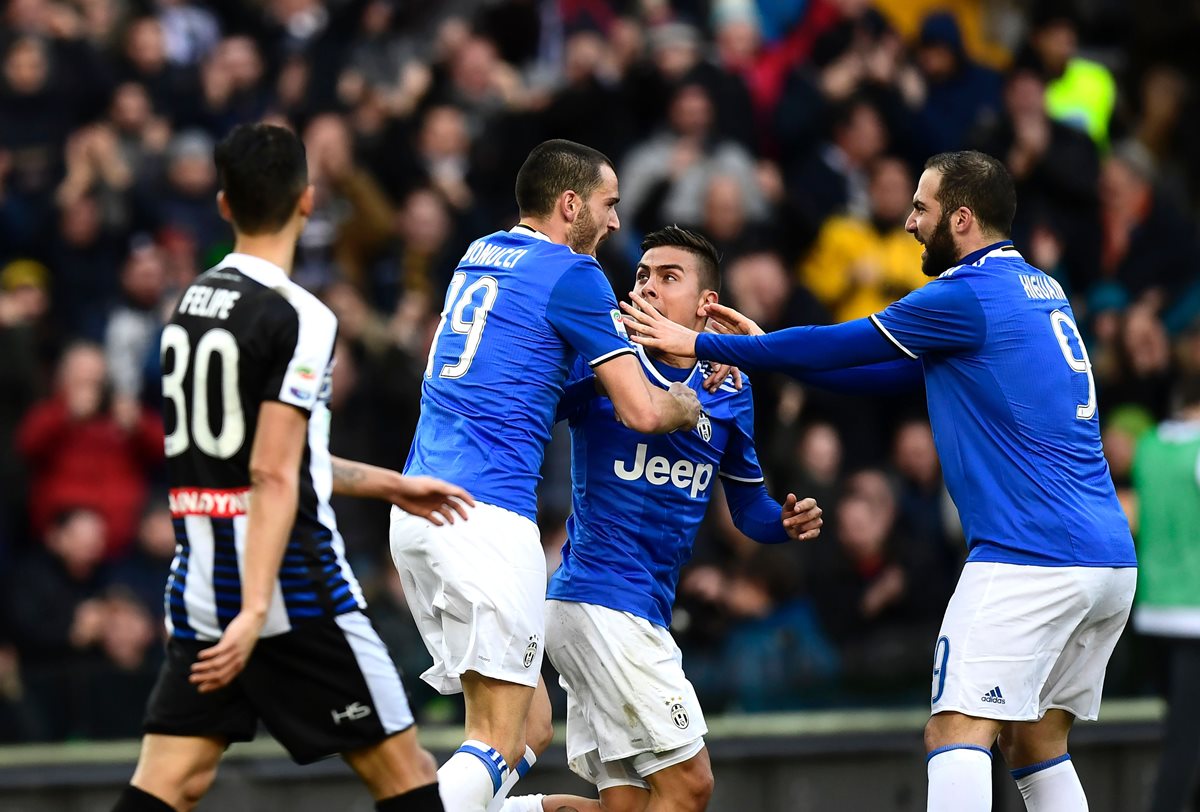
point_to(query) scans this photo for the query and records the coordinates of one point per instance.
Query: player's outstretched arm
(642, 406)
(274, 492)
(425, 496)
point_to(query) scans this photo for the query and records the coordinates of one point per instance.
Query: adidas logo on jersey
(994, 696)
(683, 474)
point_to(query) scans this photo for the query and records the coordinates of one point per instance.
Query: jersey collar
(975, 256)
(260, 270)
(652, 368)
(521, 228)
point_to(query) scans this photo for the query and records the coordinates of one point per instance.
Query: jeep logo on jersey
(683, 474)
(679, 716)
(531, 650)
(704, 427)
(353, 712)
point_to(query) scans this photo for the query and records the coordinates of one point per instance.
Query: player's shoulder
(986, 266)
(276, 297)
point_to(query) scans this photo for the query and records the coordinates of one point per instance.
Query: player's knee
(194, 787)
(538, 735)
(696, 788)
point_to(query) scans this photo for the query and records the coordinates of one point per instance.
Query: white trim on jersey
(741, 479)
(608, 356)
(521, 228)
(653, 370)
(387, 694)
(198, 594)
(320, 468)
(879, 326)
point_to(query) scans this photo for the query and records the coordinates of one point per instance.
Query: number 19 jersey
(518, 310)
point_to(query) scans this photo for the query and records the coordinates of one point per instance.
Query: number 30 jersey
(518, 310)
(1013, 407)
(243, 334)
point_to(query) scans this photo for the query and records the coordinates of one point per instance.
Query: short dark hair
(695, 244)
(980, 183)
(554, 167)
(263, 172)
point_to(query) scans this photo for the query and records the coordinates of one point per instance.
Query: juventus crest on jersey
(242, 334)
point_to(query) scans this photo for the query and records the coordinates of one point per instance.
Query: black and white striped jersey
(242, 334)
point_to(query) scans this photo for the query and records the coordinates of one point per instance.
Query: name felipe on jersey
(685, 475)
(208, 303)
(482, 252)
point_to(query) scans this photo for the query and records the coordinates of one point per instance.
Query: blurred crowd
(789, 131)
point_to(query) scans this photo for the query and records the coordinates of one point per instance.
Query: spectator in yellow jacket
(859, 266)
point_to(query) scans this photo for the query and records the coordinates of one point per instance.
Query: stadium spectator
(1166, 479)
(134, 323)
(861, 264)
(144, 569)
(85, 448)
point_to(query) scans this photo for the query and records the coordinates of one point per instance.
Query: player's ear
(307, 201)
(569, 205)
(963, 219)
(223, 208)
(707, 297)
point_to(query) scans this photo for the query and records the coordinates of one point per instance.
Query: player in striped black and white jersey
(265, 617)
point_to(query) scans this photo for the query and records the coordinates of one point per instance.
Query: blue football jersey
(518, 311)
(638, 499)
(1012, 402)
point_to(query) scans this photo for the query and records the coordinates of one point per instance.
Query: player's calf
(683, 787)
(1036, 753)
(959, 762)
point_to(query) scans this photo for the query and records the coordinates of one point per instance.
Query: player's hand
(721, 371)
(718, 375)
(654, 330)
(216, 666)
(726, 320)
(430, 498)
(802, 519)
(685, 396)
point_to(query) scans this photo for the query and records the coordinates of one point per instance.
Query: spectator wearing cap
(1148, 246)
(185, 201)
(958, 92)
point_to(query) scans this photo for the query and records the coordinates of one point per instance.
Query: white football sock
(471, 778)
(523, 803)
(523, 766)
(1052, 786)
(960, 779)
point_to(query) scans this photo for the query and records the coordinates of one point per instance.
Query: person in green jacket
(1166, 477)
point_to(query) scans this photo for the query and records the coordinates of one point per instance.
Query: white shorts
(1017, 640)
(631, 712)
(476, 589)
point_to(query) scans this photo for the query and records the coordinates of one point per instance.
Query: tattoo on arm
(347, 475)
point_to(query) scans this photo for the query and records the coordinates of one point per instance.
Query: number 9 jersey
(518, 310)
(243, 333)
(1012, 403)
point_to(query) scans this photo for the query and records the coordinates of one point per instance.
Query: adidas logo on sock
(994, 696)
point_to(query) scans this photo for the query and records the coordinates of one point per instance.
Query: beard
(940, 251)
(584, 236)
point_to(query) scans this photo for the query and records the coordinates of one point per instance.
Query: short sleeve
(740, 461)
(584, 311)
(943, 317)
(299, 352)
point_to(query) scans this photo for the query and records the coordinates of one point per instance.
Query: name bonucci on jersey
(244, 334)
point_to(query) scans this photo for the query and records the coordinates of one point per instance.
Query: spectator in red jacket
(85, 451)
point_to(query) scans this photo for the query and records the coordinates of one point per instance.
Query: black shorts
(324, 688)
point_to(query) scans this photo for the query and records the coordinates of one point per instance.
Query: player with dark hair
(635, 728)
(521, 306)
(265, 617)
(1051, 569)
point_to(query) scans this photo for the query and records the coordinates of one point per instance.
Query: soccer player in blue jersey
(521, 306)
(634, 726)
(1051, 569)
